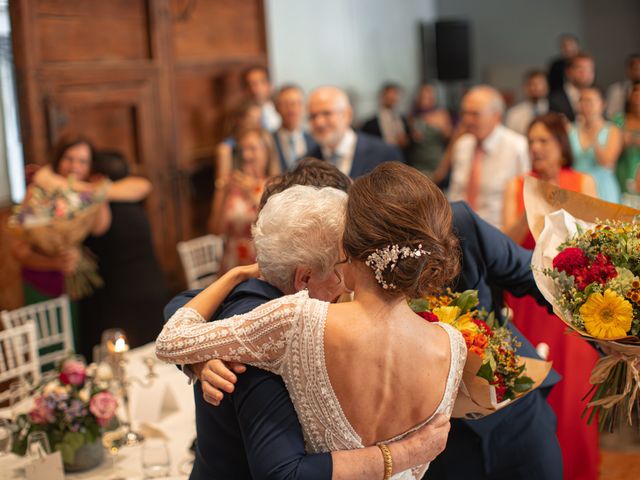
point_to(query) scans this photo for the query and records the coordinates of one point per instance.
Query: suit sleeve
(269, 426)
(508, 264)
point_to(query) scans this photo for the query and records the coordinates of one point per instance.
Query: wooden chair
(201, 259)
(18, 358)
(52, 320)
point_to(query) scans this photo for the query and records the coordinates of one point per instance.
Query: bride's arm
(258, 337)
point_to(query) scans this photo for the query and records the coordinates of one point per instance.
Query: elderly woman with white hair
(406, 248)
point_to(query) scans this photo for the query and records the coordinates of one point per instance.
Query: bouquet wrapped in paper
(54, 220)
(589, 270)
(494, 375)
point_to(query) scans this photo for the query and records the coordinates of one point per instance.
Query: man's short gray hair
(494, 100)
(301, 226)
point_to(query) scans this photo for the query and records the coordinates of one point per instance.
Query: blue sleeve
(269, 424)
(178, 301)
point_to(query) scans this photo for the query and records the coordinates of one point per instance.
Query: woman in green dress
(629, 123)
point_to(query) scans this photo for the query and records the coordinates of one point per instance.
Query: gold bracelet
(388, 461)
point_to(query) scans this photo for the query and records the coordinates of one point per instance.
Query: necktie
(475, 177)
(293, 156)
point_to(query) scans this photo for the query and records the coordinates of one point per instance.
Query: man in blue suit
(355, 154)
(255, 433)
(519, 441)
(291, 141)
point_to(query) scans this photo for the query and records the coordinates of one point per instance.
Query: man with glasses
(354, 154)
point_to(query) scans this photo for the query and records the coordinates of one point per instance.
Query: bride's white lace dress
(286, 337)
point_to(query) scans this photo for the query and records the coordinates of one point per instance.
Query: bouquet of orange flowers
(494, 374)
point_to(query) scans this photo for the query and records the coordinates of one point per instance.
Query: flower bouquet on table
(72, 409)
(56, 217)
(494, 375)
(589, 270)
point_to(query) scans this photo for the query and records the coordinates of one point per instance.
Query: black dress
(135, 289)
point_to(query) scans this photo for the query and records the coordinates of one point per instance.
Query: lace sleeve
(259, 338)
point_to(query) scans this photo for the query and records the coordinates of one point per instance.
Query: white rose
(104, 372)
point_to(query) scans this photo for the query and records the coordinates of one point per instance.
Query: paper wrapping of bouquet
(477, 399)
(58, 234)
(542, 198)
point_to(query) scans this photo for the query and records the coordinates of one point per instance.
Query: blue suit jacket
(510, 443)
(308, 140)
(254, 433)
(370, 152)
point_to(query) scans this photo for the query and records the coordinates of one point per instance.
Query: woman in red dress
(572, 357)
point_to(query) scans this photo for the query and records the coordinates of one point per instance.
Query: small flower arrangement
(55, 219)
(590, 273)
(489, 345)
(72, 409)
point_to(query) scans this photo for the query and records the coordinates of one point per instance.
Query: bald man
(355, 154)
(486, 156)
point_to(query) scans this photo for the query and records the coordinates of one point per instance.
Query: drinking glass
(38, 445)
(18, 391)
(113, 439)
(155, 458)
(6, 433)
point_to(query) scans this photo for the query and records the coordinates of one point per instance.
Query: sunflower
(607, 316)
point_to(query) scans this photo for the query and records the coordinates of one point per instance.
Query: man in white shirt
(292, 142)
(536, 90)
(580, 75)
(330, 116)
(618, 93)
(486, 156)
(257, 86)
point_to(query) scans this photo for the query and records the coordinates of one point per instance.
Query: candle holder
(115, 346)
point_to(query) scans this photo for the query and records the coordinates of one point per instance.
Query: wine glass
(38, 445)
(18, 391)
(6, 433)
(156, 461)
(113, 439)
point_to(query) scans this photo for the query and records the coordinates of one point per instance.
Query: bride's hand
(217, 377)
(245, 272)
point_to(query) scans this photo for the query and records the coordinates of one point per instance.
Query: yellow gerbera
(607, 316)
(465, 322)
(447, 314)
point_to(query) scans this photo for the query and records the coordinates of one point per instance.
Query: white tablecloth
(176, 421)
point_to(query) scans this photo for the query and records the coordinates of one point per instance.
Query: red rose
(570, 260)
(501, 388)
(428, 316)
(483, 326)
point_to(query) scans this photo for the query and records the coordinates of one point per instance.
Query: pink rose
(41, 413)
(73, 373)
(103, 406)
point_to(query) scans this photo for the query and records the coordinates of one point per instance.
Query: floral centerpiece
(590, 272)
(72, 409)
(494, 374)
(58, 218)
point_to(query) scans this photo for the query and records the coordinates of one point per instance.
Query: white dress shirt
(391, 125)
(288, 139)
(573, 94)
(505, 157)
(342, 155)
(519, 116)
(269, 118)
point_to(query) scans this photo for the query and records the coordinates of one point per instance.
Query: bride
(360, 373)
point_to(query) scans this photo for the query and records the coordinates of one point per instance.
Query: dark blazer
(254, 433)
(559, 102)
(372, 126)
(509, 443)
(308, 140)
(370, 152)
(556, 74)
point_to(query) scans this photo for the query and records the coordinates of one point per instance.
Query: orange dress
(572, 357)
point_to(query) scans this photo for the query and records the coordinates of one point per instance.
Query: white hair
(495, 102)
(301, 226)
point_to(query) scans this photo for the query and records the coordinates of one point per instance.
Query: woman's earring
(349, 260)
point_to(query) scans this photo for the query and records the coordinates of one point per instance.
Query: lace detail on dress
(286, 336)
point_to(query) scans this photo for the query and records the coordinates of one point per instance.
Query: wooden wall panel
(214, 31)
(10, 283)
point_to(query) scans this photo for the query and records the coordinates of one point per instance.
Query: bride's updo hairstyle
(395, 208)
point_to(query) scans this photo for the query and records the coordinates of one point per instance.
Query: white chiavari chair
(18, 358)
(201, 259)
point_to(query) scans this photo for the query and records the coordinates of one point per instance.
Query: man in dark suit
(354, 154)
(291, 141)
(580, 75)
(569, 47)
(254, 433)
(389, 124)
(519, 441)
